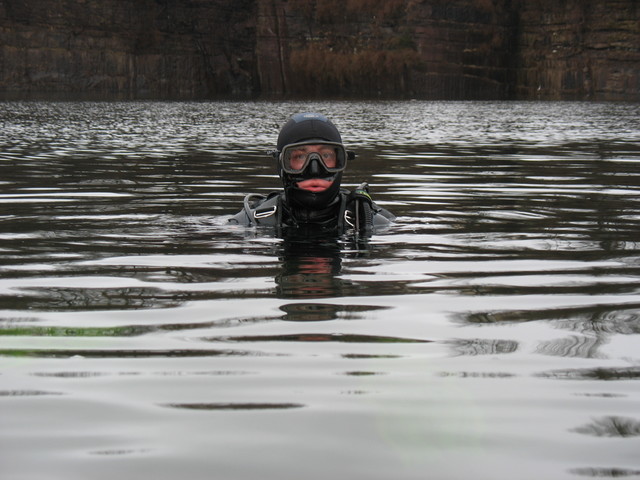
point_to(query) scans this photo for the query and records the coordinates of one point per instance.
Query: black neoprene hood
(308, 126)
(300, 128)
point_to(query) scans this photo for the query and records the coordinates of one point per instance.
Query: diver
(310, 161)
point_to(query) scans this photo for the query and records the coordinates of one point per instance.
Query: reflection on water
(605, 472)
(310, 269)
(602, 373)
(315, 312)
(491, 333)
(593, 324)
(234, 406)
(611, 427)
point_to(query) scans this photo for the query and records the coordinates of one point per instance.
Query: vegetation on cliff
(351, 48)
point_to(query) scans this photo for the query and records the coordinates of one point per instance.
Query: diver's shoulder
(258, 209)
(361, 194)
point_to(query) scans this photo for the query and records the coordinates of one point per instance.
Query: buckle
(349, 218)
(265, 212)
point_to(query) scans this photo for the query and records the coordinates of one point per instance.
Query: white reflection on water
(491, 333)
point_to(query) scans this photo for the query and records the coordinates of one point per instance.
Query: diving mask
(296, 157)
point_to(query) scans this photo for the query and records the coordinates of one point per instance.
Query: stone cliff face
(376, 48)
(439, 49)
(579, 49)
(168, 48)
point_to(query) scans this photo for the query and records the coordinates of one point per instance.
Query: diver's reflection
(311, 312)
(310, 267)
(311, 270)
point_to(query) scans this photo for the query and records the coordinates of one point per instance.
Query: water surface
(491, 333)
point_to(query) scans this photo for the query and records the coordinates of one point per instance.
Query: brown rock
(451, 49)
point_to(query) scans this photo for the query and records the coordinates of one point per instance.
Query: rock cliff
(159, 48)
(579, 49)
(462, 49)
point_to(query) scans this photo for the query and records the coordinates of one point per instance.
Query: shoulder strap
(359, 212)
(261, 210)
(362, 213)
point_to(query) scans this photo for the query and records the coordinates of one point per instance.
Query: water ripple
(491, 332)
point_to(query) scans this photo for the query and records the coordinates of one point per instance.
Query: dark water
(491, 333)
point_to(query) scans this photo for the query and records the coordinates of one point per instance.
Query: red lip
(314, 185)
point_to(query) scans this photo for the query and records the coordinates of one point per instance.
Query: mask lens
(296, 157)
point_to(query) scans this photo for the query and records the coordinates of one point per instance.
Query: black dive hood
(309, 127)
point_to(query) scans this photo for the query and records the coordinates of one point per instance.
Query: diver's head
(311, 159)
